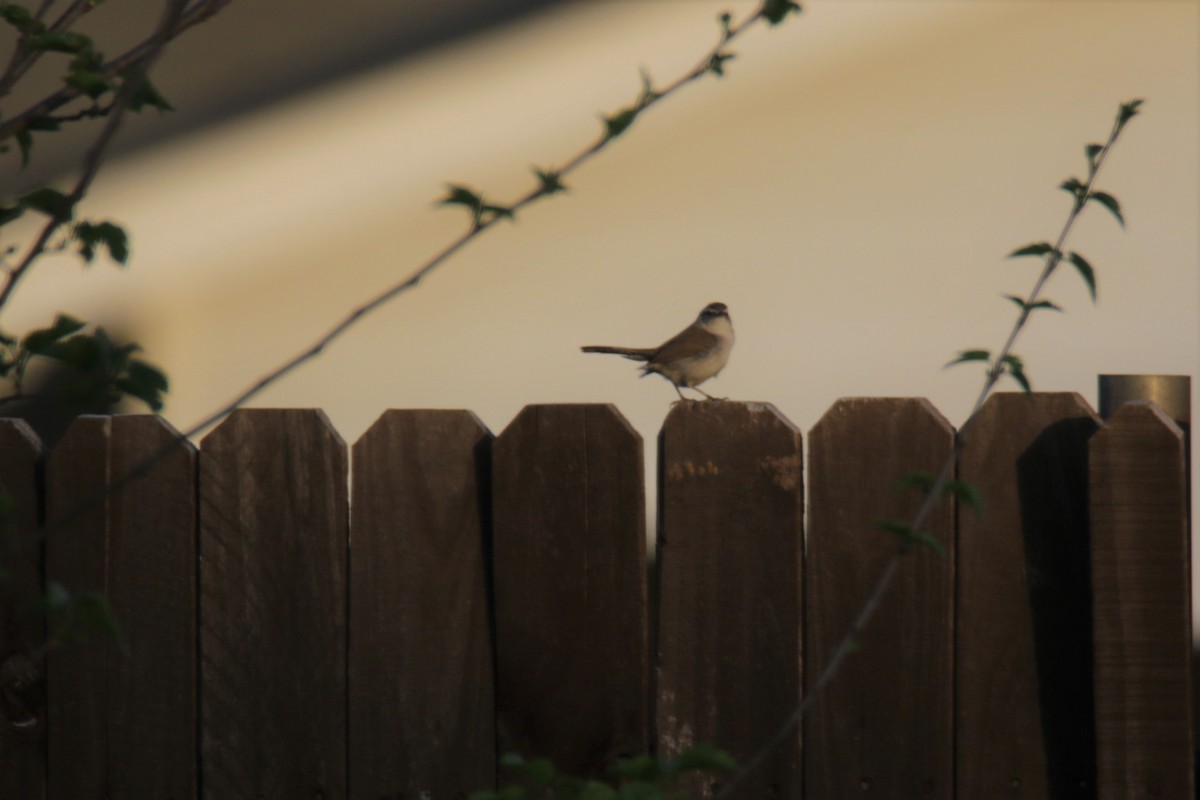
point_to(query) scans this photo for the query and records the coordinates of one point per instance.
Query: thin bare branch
(849, 641)
(478, 227)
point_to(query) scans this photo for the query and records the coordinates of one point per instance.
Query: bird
(689, 358)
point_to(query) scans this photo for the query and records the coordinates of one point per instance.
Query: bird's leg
(706, 394)
(678, 391)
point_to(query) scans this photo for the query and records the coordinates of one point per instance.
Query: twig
(95, 154)
(849, 641)
(137, 55)
(479, 225)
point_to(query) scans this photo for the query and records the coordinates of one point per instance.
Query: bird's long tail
(632, 353)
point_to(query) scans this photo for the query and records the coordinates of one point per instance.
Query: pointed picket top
(859, 450)
(420, 664)
(1141, 596)
(280, 419)
(569, 550)
(1023, 598)
(274, 541)
(730, 553)
(121, 511)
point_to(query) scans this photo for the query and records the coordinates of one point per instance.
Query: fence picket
(1141, 602)
(570, 587)
(273, 548)
(124, 726)
(22, 634)
(729, 559)
(421, 680)
(1024, 714)
(885, 726)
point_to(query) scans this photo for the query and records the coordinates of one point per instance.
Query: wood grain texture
(1024, 713)
(570, 587)
(1141, 590)
(729, 558)
(885, 727)
(273, 548)
(422, 717)
(22, 634)
(124, 726)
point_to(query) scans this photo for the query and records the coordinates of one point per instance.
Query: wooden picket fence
(298, 629)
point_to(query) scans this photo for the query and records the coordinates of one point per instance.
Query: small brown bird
(694, 355)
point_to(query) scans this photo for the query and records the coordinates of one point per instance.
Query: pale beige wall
(850, 190)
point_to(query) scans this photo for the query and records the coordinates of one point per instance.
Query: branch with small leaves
(910, 534)
(483, 214)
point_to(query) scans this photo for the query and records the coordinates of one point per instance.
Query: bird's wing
(689, 344)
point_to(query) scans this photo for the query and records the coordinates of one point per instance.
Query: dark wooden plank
(422, 718)
(273, 547)
(22, 634)
(124, 725)
(1024, 715)
(1141, 591)
(885, 726)
(729, 558)
(570, 587)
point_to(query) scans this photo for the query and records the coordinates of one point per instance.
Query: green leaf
(1072, 185)
(966, 493)
(111, 236)
(774, 11)
(1035, 249)
(93, 84)
(9, 213)
(649, 93)
(701, 757)
(1108, 201)
(638, 768)
(60, 42)
(594, 790)
(550, 181)
(57, 597)
(618, 123)
(82, 351)
(716, 64)
(1014, 367)
(970, 355)
(147, 95)
(1027, 306)
(50, 202)
(927, 539)
(1128, 111)
(539, 771)
(25, 142)
(461, 196)
(37, 342)
(145, 382)
(901, 530)
(1091, 151)
(496, 212)
(1075, 188)
(1085, 271)
(920, 478)
(908, 539)
(726, 21)
(640, 790)
(18, 16)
